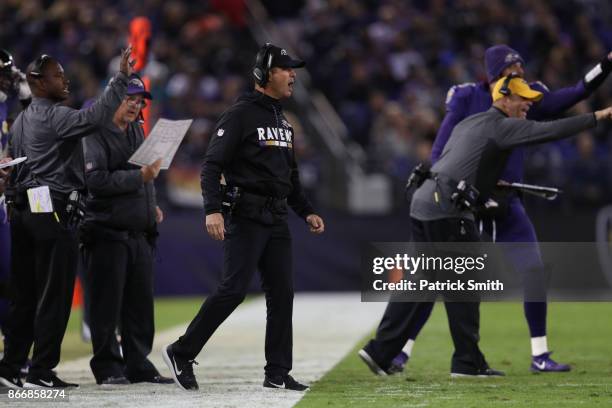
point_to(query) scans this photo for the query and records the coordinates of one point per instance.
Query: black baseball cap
(281, 59)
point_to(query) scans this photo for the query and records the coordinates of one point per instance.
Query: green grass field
(580, 332)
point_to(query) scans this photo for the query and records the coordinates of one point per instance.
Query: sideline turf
(580, 332)
(169, 312)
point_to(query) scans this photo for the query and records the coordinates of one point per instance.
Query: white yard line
(230, 373)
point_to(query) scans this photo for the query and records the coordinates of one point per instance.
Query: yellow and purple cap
(517, 86)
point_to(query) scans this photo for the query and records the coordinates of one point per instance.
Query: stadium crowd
(385, 65)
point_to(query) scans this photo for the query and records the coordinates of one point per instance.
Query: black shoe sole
(9, 384)
(372, 365)
(273, 386)
(32, 386)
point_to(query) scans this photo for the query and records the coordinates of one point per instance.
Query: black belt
(265, 209)
(264, 201)
(101, 231)
(465, 196)
(447, 181)
(232, 194)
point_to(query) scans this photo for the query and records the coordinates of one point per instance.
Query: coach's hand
(126, 65)
(215, 226)
(4, 174)
(315, 223)
(604, 114)
(7, 170)
(151, 171)
(159, 215)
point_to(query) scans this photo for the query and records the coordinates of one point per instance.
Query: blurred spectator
(405, 56)
(374, 60)
(589, 173)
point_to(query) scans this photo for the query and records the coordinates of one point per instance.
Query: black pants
(248, 246)
(120, 278)
(400, 318)
(43, 267)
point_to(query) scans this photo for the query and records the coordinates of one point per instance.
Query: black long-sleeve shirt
(477, 152)
(252, 146)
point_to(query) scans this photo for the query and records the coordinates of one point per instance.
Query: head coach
(252, 146)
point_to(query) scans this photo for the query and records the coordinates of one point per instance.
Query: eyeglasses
(137, 102)
(39, 65)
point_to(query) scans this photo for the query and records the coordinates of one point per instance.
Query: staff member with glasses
(44, 245)
(118, 235)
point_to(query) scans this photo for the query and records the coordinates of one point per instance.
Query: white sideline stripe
(325, 328)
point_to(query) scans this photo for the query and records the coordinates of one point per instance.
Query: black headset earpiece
(263, 63)
(39, 64)
(505, 88)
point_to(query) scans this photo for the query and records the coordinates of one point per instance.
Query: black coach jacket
(117, 196)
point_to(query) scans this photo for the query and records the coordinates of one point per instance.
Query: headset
(6, 60)
(39, 64)
(263, 63)
(505, 88)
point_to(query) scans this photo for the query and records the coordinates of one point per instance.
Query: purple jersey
(470, 98)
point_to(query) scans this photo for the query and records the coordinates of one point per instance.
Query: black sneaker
(115, 380)
(181, 369)
(371, 363)
(287, 382)
(482, 373)
(48, 380)
(157, 379)
(9, 379)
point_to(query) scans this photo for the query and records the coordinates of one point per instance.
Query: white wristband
(594, 73)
